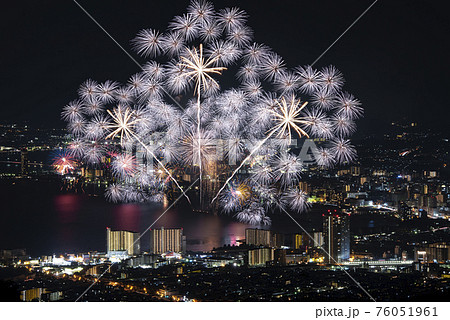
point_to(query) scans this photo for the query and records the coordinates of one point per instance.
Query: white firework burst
(240, 36)
(87, 89)
(115, 193)
(343, 150)
(106, 91)
(286, 82)
(210, 31)
(262, 173)
(93, 106)
(253, 88)
(288, 168)
(324, 157)
(331, 79)
(77, 127)
(148, 43)
(348, 106)
(310, 79)
(323, 99)
(153, 70)
(272, 66)
(342, 125)
(187, 25)
(231, 18)
(198, 149)
(73, 111)
(149, 139)
(248, 72)
(223, 52)
(297, 200)
(124, 165)
(202, 11)
(124, 96)
(173, 44)
(256, 53)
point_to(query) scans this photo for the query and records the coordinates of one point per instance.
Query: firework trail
(175, 114)
(200, 70)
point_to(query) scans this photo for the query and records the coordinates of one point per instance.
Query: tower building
(122, 242)
(164, 240)
(258, 237)
(336, 235)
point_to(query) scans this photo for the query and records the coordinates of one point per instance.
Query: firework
(199, 70)
(236, 196)
(64, 163)
(297, 200)
(124, 165)
(287, 118)
(237, 138)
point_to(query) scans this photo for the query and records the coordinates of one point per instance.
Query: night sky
(394, 59)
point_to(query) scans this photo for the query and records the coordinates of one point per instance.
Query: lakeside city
(228, 154)
(383, 219)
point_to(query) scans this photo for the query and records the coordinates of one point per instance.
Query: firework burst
(64, 163)
(235, 140)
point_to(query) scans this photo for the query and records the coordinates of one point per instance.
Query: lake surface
(39, 216)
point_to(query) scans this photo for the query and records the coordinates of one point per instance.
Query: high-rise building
(122, 242)
(318, 239)
(164, 240)
(336, 235)
(260, 256)
(297, 241)
(304, 186)
(258, 237)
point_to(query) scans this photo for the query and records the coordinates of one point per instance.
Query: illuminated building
(122, 243)
(343, 172)
(258, 237)
(145, 260)
(93, 271)
(260, 256)
(430, 174)
(297, 241)
(166, 240)
(336, 234)
(296, 258)
(355, 171)
(40, 294)
(32, 294)
(91, 173)
(318, 239)
(305, 187)
(434, 253)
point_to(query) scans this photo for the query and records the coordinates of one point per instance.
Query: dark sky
(394, 59)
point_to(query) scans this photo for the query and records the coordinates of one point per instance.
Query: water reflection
(67, 206)
(127, 217)
(76, 223)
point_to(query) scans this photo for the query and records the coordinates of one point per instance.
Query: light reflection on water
(40, 218)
